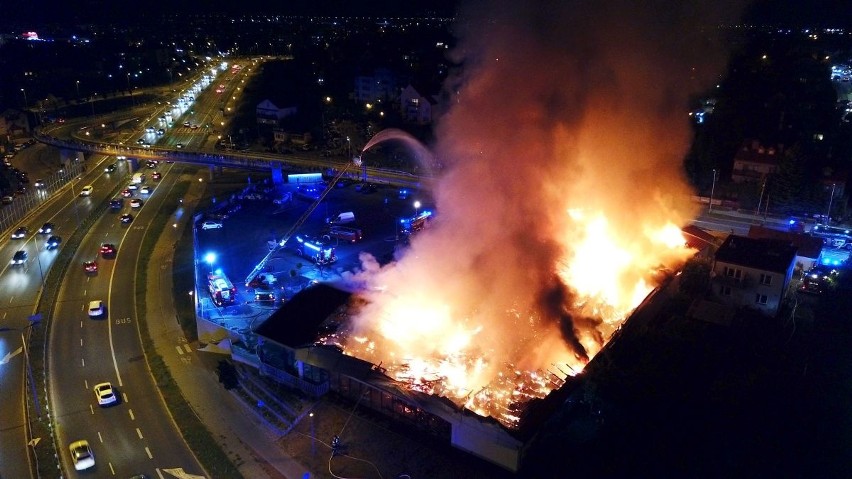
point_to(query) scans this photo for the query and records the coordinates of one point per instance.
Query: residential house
(382, 86)
(415, 107)
(755, 162)
(269, 113)
(808, 248)
(14, 124)
(753, 272)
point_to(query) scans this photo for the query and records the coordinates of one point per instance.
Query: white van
(137, 178)
(341, 218)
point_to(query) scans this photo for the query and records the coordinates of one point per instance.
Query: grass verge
(195, 433)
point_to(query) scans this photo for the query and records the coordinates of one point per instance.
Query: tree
(695, 276)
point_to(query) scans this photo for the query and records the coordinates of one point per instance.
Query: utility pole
(830, 199)
(712, 190)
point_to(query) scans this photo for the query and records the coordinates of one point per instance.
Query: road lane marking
(139, 432)
(11, 298)
(86, 383)
(81, 323)
(111, 469)
(132, 418)
(92, 409)
(179, 350)
(81, 341)
(160, 473)
(100, 437)
(188, 348)
(148, 451)
(124, 395)
(83, 361)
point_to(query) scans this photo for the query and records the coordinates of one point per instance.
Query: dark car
(344, 233)
(53, 242)
(19, 258)
(264, 296)
(126, 218)
(20, 233)
(46, 229)
(116, 203)
(110, 168)
(366, 188)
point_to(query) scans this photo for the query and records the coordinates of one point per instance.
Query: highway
(21, 285)
(135, 436)
(91, 352)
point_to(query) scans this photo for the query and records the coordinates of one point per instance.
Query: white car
(145, 190)
(96, 308)
(105, 394)
(211, 225)
(82, 455)
(87, 190)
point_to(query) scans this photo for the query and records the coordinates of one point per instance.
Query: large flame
(561, 195)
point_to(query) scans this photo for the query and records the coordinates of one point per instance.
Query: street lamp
(349, 147)
(78, 89)
(830, 199)
(712, 190)
(26, 103)
(416, 208)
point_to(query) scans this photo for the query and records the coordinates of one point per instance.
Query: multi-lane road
(136, 435)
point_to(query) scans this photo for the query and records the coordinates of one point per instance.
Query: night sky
(787, 12)
(15, 11)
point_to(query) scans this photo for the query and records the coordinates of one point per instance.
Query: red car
(156, 175)
(90, 266)
(107, 249)
(126, 193)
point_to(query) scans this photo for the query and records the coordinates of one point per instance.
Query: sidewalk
(240, 433)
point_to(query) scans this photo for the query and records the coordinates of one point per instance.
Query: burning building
(561, 196)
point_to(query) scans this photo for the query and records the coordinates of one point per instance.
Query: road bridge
(275, 163)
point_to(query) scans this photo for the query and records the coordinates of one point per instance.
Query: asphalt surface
(131, 437)
(21, 286)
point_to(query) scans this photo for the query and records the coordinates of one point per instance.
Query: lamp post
(712, 190)
(349, 147)
(26, 103)
(830, 199)
(416, 208)
(78, 90)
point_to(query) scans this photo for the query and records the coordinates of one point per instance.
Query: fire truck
(314, 250)
(221, 289)
(409, 226)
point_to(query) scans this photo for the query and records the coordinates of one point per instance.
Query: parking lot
(252, 221)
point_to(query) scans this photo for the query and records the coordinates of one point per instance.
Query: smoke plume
(562, 143)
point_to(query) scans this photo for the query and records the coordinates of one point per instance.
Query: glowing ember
(561, 195)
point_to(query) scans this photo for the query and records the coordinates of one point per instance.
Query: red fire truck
(221, 289)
